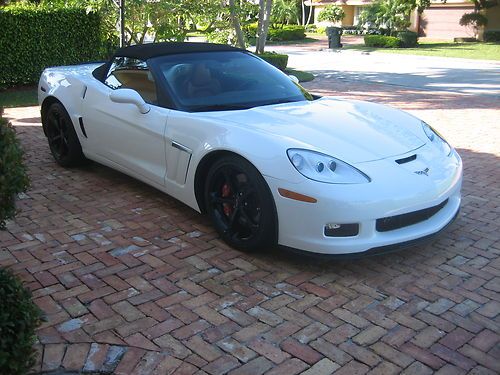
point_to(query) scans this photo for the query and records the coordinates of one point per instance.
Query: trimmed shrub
(409, 39)
(492, 36)
(287, 32)
(13, 175)
(312, 28)
(278, 33)
(35, 37)
(19, 317)
(331, 13)
(219, 36)
(382, 41)
(280, 61)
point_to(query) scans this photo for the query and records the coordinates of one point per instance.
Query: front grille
(386, 224)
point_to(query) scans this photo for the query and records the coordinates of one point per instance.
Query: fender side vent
(80, 120)
(406, 160)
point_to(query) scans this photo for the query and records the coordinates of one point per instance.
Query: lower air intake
(389, 223)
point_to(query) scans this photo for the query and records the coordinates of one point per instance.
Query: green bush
(13, 176)
(35, 37)
(278, 32)
(492, 36)
(321, 29)
(287, 32)
(409, 39)
(382, 41)
(280, 61)
(331, 13)
(312, 28)
(221, 36)
(19, 317)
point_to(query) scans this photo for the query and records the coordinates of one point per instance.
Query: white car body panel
(164, 147)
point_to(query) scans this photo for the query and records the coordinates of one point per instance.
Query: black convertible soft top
(149, 50)
(146, 51)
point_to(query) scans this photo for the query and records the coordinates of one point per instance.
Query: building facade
(439, 21)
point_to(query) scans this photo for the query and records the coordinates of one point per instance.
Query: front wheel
(240, 204)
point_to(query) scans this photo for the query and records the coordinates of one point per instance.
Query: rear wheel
(240, 204)
(63, 141)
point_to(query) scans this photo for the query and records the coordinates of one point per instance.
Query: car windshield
(211, 81)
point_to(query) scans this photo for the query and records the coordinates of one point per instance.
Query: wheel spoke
(248, 222)
(220, 200)
(233, 215)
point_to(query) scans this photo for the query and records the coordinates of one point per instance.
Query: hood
(353, 131)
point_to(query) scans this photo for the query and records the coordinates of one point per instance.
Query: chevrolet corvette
(229, 135)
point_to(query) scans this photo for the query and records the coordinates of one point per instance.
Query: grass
(474, 50)
(302, 76)
(19, 97)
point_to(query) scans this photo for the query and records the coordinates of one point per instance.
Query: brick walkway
(134, 282)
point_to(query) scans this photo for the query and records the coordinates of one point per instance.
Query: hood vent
(407, 159)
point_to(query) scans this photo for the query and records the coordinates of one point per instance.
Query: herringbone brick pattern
(134, 282)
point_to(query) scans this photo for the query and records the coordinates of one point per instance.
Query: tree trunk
(263, 25)
(260, 24)
(303, 6)
(236, 24)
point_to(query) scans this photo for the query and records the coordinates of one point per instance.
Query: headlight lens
(324, 168)
(436, 139)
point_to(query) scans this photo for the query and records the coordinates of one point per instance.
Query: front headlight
(324, 168)
(436, 139)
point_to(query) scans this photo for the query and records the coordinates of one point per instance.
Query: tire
(63, 141)
(240, 204)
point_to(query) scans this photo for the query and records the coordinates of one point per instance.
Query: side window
(130, 73)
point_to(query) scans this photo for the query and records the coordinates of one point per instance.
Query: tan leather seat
(140, 81)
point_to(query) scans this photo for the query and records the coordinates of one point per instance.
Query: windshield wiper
(220, 107)
(279, 101)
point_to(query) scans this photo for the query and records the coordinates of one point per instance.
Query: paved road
(417, 72)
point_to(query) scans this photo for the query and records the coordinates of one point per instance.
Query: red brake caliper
(226, 192)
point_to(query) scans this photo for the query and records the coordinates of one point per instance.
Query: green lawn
(18, 97)
(477, 51)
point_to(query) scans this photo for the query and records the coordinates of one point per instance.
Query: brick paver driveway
(134, 282)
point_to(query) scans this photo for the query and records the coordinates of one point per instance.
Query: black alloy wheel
(63, 141)
(240, 204)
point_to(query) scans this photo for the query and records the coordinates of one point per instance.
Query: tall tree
(392, 15)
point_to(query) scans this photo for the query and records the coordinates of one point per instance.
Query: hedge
(13, 174)
(279, 32)
(409, 39)
(492, 36)
(280, 61)
(382, 41)
(35, 37)
(19, 317)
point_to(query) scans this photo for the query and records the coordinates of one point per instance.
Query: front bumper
(392, 191)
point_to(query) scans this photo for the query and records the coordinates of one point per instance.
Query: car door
(118, 133)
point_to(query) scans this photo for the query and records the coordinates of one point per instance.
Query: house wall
(442, 22)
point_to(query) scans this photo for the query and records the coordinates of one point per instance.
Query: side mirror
(293, 78)
(131, 97)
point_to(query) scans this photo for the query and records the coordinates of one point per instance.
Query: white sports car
(230, 135)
